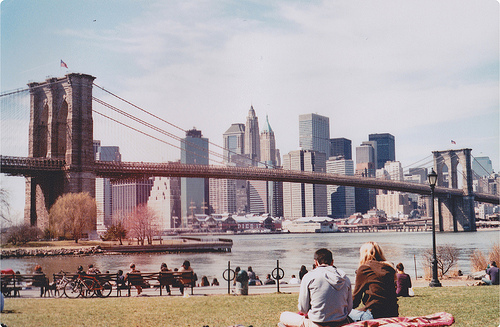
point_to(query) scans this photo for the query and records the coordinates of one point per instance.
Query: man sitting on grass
(325, 297)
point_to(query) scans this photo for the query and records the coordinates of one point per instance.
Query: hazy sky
(425, 71)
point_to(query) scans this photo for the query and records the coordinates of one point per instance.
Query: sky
(425, 71)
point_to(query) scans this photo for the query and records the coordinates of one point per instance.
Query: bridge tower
(61, 127)
(455, 213)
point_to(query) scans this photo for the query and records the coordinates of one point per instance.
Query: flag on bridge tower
(452, 142)
(63, 64)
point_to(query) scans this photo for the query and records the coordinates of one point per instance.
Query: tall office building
(234, 141)
(300, 199)
(252, 137)
(103, 189)
(194, 191)
(365, 167)
(223, 195)
(385, 149)
(270, 156)
(341, 147)
(165, 200)
(268, 145)
(340, 199)
(314, 133)
(482, 167)
(366, 159)
(129, 194)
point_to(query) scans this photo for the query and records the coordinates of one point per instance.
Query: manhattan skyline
(426, 73)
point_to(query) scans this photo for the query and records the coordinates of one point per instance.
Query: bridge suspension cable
(172, 124)
(155, 128)
(151, 136)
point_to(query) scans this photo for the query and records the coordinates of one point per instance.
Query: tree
(142, 224)
(74, 214)
(116, 231)
(22, 234)
(446, 255)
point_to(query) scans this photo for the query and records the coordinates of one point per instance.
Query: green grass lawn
(471, 306)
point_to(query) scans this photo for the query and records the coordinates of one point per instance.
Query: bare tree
(22, 234)
(447, 258)
(74, 214)
(142, 224)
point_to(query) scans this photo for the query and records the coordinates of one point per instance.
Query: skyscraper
(194, 191)
(300, 199)
(234, 141)
(385, 148)
(314, 133)
(340, 199)
(165, 200)
(365, 167)
(341, 147)
(252, 137)
(268, 145)
(103, 189)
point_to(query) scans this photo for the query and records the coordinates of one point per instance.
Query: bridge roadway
(126, 170)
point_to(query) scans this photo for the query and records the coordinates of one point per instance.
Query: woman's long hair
(370, 251)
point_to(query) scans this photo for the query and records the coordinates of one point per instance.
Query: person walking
(325, 297)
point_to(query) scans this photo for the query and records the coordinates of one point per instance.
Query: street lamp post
(432, 183)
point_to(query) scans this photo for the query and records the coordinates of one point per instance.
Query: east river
(261, 251)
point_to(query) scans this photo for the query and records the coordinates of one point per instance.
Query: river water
(261, 251)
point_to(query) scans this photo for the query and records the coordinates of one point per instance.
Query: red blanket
(437, 319)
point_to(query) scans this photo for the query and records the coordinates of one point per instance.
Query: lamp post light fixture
(432, 177)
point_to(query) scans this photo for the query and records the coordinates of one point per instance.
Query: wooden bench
(161, 279)
(61, 278)
(11, 284)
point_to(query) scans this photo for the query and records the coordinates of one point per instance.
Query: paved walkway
(252, 290)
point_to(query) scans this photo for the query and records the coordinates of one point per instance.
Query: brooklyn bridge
(61, 160)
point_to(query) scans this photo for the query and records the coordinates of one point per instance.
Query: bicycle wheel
(106, 289)
(88, 290)
(60, 287)
(72, 289)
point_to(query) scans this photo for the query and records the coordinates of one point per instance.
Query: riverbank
(470, 306)
(58, 248)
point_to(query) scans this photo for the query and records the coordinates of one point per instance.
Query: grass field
(471, 306)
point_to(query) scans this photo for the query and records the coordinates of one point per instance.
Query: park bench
(161, 279)
(61, 278)
(11, 284)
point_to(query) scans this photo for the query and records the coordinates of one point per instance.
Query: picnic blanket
(434, 320)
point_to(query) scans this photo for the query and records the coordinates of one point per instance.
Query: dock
(184, 244)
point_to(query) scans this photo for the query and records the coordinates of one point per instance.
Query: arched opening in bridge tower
(42, 133)
(61, 130)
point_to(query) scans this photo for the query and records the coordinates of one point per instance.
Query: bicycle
(87, 286)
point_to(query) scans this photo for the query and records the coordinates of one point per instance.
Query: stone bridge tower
(455, 213)
(61, 127)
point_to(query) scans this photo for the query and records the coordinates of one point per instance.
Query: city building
(340, 199)
(300, 199)
(268, 154)
(341, 147)
(365, 167)
(395, 204)
(385, 148)
(314, 133)
(128, 194)
(103, 189)
(234, 141)
(222, 195)
(252, 137)
(482, 166)
(194, 191)
(165, 200)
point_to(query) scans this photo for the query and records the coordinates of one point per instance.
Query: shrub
(446, 255)
(22, 234)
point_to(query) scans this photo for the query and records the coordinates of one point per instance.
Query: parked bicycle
(88, 286)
